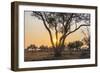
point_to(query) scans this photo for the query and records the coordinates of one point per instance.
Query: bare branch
(64, 37)
(51, 39)
(76, 29)
(63, 22)
(67, 25)
(56, 34)
(66, 28)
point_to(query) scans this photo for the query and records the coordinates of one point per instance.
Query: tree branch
(66, 28)
(56, 34)
(50, 34)
(73, 31)
(76, 29)
(63, 22)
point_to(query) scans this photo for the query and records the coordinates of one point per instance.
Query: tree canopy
(64, 23)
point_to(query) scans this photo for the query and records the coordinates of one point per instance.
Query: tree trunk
(59, 48)
(58, 51)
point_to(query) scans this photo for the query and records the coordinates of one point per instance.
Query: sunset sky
(35, 32)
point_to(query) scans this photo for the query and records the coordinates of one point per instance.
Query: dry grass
(40, 55)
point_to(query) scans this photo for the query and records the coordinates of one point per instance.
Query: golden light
(54, 40)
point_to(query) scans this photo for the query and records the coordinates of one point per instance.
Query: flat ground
(49, 55)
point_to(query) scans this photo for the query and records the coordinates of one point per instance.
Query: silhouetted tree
(75, 44)
(43, 48)
(86, 38)
(62, 23)
(32, 46)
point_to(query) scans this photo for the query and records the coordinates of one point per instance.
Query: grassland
(49, 55)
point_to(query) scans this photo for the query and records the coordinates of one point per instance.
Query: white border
(34, 64)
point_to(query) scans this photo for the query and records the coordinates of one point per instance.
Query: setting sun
(54, 40)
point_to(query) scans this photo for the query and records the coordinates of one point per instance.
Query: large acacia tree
(63, 24)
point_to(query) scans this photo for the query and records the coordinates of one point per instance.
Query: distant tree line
(75, 45)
